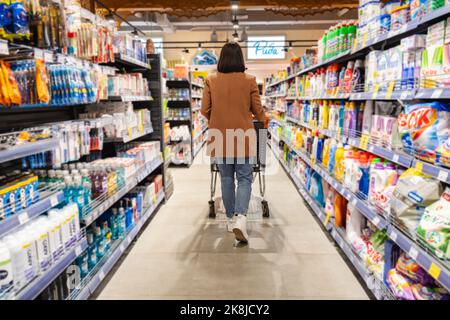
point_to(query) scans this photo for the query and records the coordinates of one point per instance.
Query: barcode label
(443, 175)
(23, 217)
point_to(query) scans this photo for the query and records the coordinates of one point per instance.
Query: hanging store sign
(266, 48)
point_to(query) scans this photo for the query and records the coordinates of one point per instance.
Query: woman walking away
(230, 99)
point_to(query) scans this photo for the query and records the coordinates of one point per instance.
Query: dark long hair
(231, 59)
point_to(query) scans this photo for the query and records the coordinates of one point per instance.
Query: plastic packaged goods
(6, 271)
(413, 193)
(434, 226)
(424, 128)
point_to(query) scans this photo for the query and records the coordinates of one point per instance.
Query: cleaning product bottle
(348, 166)
(114, 224)
(99, 241)
(314, 146)
(378, 179)
(92, 250)
(56, 235)
(78, 194)
(339, 162)
(326, 152)
(122, 220)
(320, 148)
(331, 162)
(6, 271)
(83, 263)
(87, 186)
(340, 210)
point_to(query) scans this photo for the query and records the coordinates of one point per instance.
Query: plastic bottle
(128, 214)
(314, 146)
(122, 221)
(339, 162)
(44, 251)
(56, 235)
(87, 186)
(100, 243)
(348, 166)
(326, 153)
(92, 250)
(114, 224)
(6, 270)
(78, 194)
(378, 179)
(106, 232)
(83, 263)
(331, 162)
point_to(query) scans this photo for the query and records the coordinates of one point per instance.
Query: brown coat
(229, 102)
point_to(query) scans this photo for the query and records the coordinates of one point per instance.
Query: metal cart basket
(258, 171)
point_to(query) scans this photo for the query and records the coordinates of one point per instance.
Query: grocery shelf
(104, 205)
(278, 95)
(31, 212)
(436, 93)
(440, 173)
(390, 38)
(384, 95)
(126, 61)
(90, 284)
(178, 83)
(33, 289)
(178, 119)
(279, 122)
(292, 120)
(129, 98)
(197, 84)
(28, 149)
(127, 138)
(179, 103)
(340, 96)
(429, 262)
(435, 268)
(337, 235)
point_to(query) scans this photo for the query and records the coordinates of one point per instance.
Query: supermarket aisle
(184, 255)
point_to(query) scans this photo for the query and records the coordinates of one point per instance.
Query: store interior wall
(260, 73)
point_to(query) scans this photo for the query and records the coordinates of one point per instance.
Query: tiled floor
(184, 255)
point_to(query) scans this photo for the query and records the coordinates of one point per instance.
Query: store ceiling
(252, 17)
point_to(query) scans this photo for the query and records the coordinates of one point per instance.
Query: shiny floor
(182, 254)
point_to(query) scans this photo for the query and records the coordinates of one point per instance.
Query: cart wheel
(265, 208)
(212, 209)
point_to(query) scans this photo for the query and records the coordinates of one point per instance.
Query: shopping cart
(258, 170)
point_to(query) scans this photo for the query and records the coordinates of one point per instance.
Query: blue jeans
(236, 201)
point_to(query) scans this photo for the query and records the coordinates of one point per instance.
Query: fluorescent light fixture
(234, 5)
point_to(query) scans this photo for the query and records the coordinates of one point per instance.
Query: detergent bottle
(333, 146)
(339, 162)
(326, 152)
(348, 166)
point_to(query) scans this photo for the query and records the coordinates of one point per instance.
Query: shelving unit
(16, 118)
(183, 83)
(438, 268)
(90, 283)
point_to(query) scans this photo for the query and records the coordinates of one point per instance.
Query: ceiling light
(214, 37)
(135, 33)
(199, 46)
(185, 50)
(234, 5)
(235, 24)
(244, 35)
(110, 17)
(290, 45)
(235, 36)
(285, 49)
